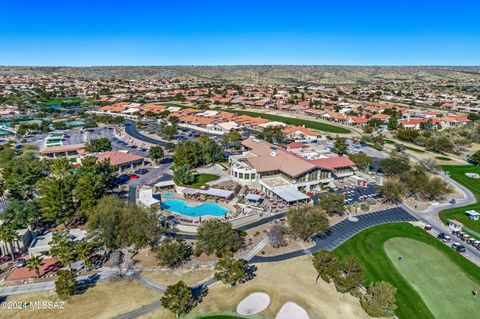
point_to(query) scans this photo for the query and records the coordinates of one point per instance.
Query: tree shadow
(250, 273)
(87, 283)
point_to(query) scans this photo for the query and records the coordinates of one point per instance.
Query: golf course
(458, 173)
(433, 280)
(448, 293)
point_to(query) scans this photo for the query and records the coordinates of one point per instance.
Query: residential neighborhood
(253, 160)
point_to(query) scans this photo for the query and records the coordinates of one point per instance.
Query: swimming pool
(169, 194)
(180, 207)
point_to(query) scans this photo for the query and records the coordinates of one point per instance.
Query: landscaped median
(387, 254)
(458, 174)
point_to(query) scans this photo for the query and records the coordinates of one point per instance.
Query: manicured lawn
(201, 179)
(458, 174)
(443, 158)
(294, 121)
(414, 149)
(369, 247)
(59, 100)
(448, 294)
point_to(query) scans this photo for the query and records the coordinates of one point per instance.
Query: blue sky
(141, 32)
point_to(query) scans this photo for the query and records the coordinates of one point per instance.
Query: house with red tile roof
(299, 133)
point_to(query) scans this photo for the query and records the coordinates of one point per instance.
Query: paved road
(430, 216)
(50, 285)
(344, 230)
(131, 130)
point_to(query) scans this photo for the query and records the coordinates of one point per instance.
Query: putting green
(443, 286)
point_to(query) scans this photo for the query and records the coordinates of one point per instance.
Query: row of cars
(447, 239)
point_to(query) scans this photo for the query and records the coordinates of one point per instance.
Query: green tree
(229, 270)
(407, 135)
(56, 198)
(173, 253)
(379, 301)
(60, 166)
(394, 165)
(8, 235)
(392, 190)
(97, 145)
(392, 123)
(475, 157)
(305, 222)
(332, 203)
(362, 160)
(35, 263)
(349, 276)
(66, 284)
(218, 237)
(21, 213)
(183, 175)
(156, 153)
(274, 134)
(340, 146)
(231, 139)
(83, 251)
(178, 299)
(62, 247)
(115, 224)
(326, 264)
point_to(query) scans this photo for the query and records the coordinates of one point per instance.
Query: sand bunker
(291, 310)
(253, 304)
(472, 175)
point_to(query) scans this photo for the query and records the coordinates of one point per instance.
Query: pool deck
(191, 202)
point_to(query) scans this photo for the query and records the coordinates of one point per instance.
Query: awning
(253, 197)
(290, 194)
(211, 191)
(165, 183)
(218, 192)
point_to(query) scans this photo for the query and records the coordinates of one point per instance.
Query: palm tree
(35, 263)
(8, 235)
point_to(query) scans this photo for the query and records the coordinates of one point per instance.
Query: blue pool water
(169, 194)
(180, 207)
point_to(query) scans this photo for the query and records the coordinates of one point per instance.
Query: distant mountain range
(269, 74)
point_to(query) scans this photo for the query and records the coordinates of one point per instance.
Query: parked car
(427, 227)
(441, 236)
(141, 171)
(132, 146)
(459, 248)
(133, 176)
(21, 262)
(122, 179)
(453, 201)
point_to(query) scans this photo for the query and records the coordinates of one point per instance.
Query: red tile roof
(119, 158)
(332, 163)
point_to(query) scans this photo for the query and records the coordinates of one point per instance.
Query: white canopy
(290, 194)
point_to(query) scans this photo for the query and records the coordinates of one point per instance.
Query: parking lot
(359, 194)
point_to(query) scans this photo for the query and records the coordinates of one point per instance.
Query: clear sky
(183, 32)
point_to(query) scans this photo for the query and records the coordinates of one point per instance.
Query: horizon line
(230, 65)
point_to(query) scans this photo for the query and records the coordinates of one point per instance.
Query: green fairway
(294, 121)
(369, 247)
(447, 293)
(458, 174)
(443, 158)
